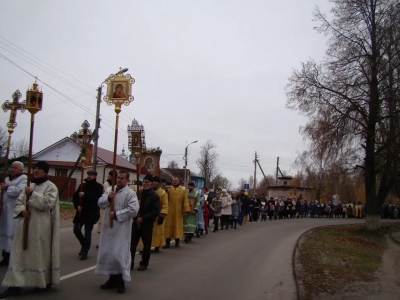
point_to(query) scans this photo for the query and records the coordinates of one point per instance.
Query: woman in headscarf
(235, 209)
(226, 210)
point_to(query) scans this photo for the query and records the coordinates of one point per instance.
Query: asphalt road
(251, 262)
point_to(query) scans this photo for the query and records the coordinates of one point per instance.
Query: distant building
(198, 180)
(62, 156)
(180, 173)
(123, 155)
(285, 190)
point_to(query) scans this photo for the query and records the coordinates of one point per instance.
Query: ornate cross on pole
(13, 106)
(84, 137)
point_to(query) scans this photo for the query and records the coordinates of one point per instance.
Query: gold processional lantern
(34, 99)
(119, 91)
(34, 103)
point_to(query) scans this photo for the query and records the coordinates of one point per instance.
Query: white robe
(39, 264)
(114, 256)
(8, 224)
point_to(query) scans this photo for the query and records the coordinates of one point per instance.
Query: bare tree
(20, 148)
(3, 141)
(264, 183)
(220, 181)
(241, 184)
(173, 165)
(251, 181)
(352, 97)
(207, 162)
(316, 164)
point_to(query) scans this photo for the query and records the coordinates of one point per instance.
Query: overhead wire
(169, 144)
(55, 90)
(1, 37)
(125, 115)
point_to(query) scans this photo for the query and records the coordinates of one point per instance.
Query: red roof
(108, 156)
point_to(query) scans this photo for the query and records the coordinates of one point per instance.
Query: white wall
(65, 151)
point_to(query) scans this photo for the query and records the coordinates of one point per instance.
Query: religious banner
(150, 162)
(119, 89)
(224, 201)
(192, 203)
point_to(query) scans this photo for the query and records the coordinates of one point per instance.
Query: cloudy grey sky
(203, 69)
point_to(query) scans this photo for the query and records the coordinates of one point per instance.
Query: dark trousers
(216, 221)
(84, 240)
(145, 231)
(255, 214)
(224, 221)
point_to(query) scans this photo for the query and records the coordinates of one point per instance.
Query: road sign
(246, 186)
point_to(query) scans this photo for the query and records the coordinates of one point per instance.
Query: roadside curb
(296, 248)
(394, 239)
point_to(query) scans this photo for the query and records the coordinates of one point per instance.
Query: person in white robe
(12, 187)
(114, 257)
(38, 266)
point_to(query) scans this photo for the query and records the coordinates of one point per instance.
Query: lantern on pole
(34, 104)
(119, 92)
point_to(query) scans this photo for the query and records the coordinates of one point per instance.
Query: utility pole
(184, 179)
(97, 126)
(255, 172)
(186, 155)
(277, 169)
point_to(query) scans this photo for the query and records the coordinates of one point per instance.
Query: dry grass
(330, 257)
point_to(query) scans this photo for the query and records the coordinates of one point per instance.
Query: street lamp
(97, 121)
(186, 154)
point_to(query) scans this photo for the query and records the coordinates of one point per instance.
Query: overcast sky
(203, 69)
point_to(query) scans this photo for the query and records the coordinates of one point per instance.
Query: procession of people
(158, 216)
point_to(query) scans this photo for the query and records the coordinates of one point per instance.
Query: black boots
(167, 244)
(115, 281)
(6, 259)
(10, 292)
(110, 283)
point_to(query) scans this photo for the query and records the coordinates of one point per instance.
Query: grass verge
(328, 258)
(66, 205)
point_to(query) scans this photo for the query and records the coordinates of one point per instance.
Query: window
(61, 172)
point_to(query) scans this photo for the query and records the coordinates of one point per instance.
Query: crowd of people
(160, 216)
(252, 209)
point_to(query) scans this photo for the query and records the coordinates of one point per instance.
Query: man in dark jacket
(245, 201)
(142, 226)
(87, 211)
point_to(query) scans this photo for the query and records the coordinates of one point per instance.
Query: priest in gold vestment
(178, 204)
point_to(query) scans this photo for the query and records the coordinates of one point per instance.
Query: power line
(42, 61)
(58, 92)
